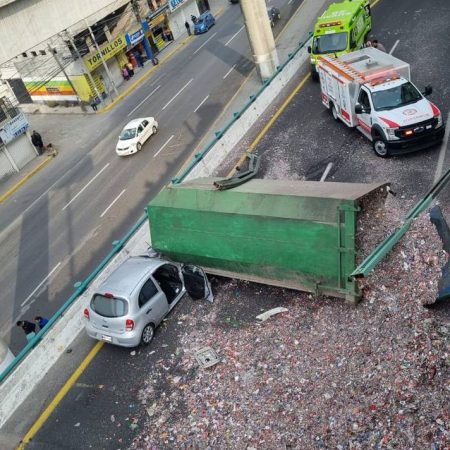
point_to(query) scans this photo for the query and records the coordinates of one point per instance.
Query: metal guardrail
(80, 288)
(218, 134)
(118, 245)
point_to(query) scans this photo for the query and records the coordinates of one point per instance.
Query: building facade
(83, 57)
(16, 149)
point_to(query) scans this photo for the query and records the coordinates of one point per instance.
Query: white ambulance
(371, 90)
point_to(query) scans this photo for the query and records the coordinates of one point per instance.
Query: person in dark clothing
(41, 321)
(93, 102)
(139, 59)
(188, 27)
(194, 19)
(36, 139)
(28, 327)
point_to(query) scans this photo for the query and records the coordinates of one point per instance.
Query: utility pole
(86, 71)
(103, 59)
(137, 13)
(52, 51)
(260, 37)
(135, 8)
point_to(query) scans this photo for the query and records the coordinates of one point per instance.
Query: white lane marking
(394, 46)
(201, 103)
(442, 152)
(112, 203)
(327, 171)
(204, 43)
(85, 186)
(234, 35)
(40, 284)
(151, 93)
(178, 93)
(289, 2)
(161, 149)
(228, 73)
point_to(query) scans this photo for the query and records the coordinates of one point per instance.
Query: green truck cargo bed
(295, 234)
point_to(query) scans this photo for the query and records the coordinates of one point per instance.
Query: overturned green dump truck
(294, 234)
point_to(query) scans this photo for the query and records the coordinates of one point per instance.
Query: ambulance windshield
(397, 96)
(330, 43)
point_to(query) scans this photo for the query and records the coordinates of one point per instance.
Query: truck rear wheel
(380, 147)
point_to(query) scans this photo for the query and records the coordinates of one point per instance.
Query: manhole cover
(206, 357)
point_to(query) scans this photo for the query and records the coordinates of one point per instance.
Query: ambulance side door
(364, 118)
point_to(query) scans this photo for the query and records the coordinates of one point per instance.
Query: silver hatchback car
(135, 298)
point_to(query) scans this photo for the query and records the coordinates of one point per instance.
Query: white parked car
(134, 135)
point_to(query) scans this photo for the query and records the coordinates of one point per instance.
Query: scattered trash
(113, 419)
(77, 424)
(151, 410)
(326, 376)
(132, 353)
(266, 315)
(206, 357)
(69, 350)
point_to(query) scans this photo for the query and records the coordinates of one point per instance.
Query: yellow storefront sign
(157, 20)
(107, 50)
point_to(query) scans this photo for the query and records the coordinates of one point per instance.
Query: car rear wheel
(380, 147)
(138, 146)
(147, 334)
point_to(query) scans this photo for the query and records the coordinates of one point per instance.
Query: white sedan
(134, 135)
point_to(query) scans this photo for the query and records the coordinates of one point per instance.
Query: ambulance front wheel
(380, 147)
(314, 74)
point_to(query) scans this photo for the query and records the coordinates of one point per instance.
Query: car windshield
(109, 307)
(200, 21)
(127, 133)
(330, 43)
(404, 94)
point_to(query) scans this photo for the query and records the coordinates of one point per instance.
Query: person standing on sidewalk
(36, 139)
(188, 27)
(93, 103)
(28, 327)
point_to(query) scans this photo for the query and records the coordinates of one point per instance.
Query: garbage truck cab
(342, 28)
(371, 91)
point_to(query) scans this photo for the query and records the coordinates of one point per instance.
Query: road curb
(26, 178)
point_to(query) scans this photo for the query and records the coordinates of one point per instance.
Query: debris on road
(333, 376)
(266, 315)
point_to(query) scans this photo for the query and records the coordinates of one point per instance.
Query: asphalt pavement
(57, 228)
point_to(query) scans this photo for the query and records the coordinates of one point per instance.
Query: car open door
(196, 283)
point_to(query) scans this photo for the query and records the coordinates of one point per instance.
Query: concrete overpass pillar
(260, 37)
